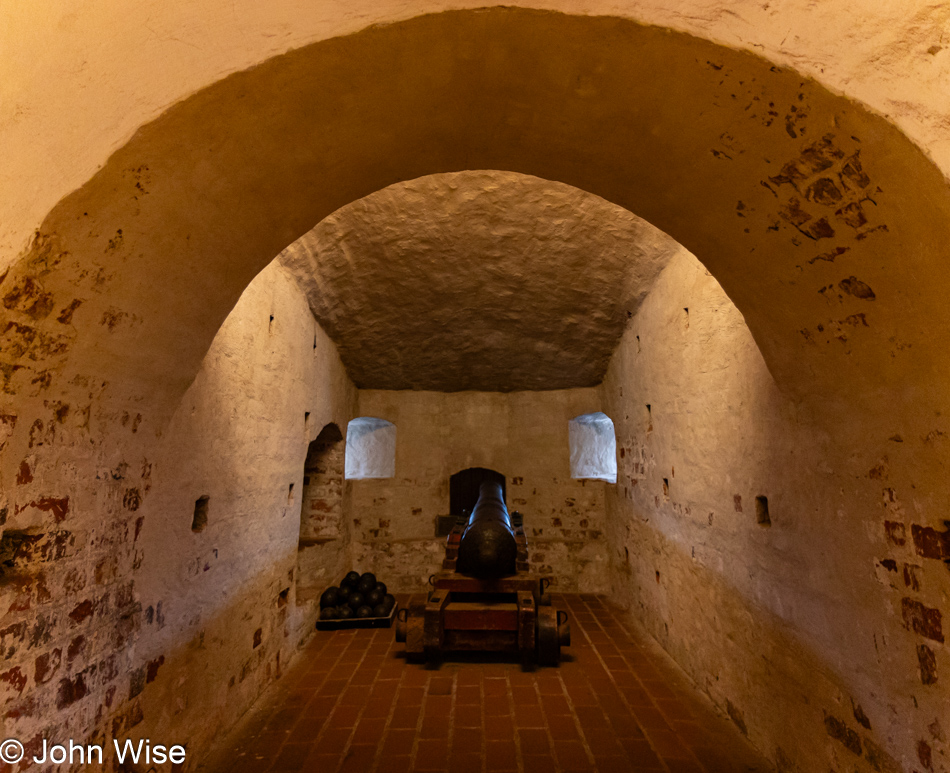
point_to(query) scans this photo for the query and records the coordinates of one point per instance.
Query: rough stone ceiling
(481, 280)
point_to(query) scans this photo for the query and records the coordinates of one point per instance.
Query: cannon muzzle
(488, 549)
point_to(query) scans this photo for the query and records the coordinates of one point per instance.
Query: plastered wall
(111, 70)
(524, 436)
(136, 625)
(819, 634)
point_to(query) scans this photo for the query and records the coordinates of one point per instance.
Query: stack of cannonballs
(358, 596)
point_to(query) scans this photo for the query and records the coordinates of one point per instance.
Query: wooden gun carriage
(485, 599)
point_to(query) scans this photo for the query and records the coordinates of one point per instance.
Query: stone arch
(808, 209)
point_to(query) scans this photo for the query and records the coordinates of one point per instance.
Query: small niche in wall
(282, 598)
(10, 543)
(200, 518)
(686, 318)
(762, 511)
(290, 494)
(666, 488)
(306, 420)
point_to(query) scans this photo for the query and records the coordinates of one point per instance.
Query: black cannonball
(364, 611)
(374, 597)
(390, 601)
(365, 586)
(353, 578)
(328, 613)
(381, 610)
(381, 587)
(330, 597)
(344, 612)
(355, 600)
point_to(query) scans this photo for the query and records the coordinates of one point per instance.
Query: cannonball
(330, 597)
(355, 600)
(390, 601)
(366, 585)
(328, 613)
(381, 587)
(353, 578)
(344, 612)
(374, 597)
(380, 610)
(364, 611)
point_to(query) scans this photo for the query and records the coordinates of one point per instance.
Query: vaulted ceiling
(480, 280)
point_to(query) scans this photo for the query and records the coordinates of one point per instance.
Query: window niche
(593, 445)
(370, 449)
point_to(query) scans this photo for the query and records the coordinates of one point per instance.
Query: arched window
(593, 447)
(370, 449)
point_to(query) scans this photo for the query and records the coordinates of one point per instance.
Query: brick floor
(350, 702)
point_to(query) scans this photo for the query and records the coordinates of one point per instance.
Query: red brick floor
(350, 703)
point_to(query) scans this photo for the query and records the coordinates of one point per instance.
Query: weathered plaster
(824, 224)
(110, 71)
(802, 630)
(482, 280)
(117, 619)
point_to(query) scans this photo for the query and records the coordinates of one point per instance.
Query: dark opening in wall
(10, 543)
(464, 485)
(200, 519)
(762, 511)
(666, 487)
(290, 494)
(649, 418)
(282, 598)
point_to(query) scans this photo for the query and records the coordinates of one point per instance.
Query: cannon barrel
(488, 549)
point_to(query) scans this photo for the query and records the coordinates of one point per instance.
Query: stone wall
(816, 624)
(524, 436)
(122, 613)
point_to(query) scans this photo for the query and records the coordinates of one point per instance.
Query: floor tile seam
(646, 731)
(643, 729)
(519, 760)
(326, 725)
(273, 703)
(577, 725)
(378, 757)
(414, 751)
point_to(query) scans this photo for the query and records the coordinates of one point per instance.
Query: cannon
(485, 599)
